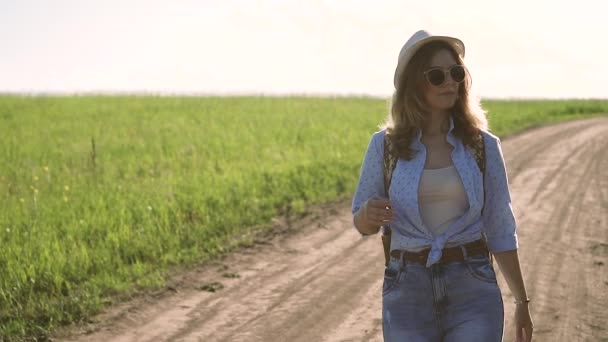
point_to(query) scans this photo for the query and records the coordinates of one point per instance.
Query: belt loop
(464, 252)
(401, 257)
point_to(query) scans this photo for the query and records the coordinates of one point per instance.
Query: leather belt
(452, 254)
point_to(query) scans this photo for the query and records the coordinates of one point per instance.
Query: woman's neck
(437, 124)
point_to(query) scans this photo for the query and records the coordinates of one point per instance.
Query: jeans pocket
(392, 273)
(479, 267)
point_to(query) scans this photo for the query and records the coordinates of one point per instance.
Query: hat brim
(455, 43)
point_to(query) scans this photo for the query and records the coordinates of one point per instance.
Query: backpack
(390, 162)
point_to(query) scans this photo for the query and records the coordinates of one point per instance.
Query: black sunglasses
(437, 76)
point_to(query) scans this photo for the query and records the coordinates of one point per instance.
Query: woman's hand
(523, 323)
(377, 211)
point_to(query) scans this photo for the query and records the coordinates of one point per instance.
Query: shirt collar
(419, 134)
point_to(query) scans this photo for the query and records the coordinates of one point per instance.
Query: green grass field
(99, 196)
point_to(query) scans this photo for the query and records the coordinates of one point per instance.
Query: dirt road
(323, 283)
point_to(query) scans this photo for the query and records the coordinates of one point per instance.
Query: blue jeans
(451, 302)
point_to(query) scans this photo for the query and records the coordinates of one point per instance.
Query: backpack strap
(390, 162)
(479, 152)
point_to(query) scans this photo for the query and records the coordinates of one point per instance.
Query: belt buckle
(422, 256)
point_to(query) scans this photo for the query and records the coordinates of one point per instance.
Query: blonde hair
(408, 108)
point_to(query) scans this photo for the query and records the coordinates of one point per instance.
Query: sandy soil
(316, 280)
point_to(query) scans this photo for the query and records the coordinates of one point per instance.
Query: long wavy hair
(409, 112)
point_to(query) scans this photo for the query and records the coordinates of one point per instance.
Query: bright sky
(515, 48)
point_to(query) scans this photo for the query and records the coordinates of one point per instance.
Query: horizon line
(252, 94)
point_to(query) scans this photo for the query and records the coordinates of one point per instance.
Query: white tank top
(442, 198)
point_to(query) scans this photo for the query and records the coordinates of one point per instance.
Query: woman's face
(444, 96)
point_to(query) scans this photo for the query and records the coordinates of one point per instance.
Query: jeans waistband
(451, 254)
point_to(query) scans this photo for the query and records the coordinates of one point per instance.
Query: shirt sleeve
(371, 178)
(499, 223)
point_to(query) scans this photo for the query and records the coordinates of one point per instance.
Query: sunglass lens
(435, 77)
(458, 73)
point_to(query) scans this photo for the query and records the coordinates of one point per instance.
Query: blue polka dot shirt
(408, 231)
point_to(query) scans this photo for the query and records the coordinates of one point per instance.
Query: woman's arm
(370, 185)
(499, 225)
(508, 262)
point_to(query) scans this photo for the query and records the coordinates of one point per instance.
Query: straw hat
(416, 41)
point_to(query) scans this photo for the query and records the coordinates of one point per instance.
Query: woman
(445, 216)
